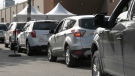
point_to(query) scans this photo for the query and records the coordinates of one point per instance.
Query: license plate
(41, 40)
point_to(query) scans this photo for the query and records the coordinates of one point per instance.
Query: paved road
(38, 65)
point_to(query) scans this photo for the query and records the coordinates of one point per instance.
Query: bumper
(85, 52)
(2, 38)
(42, 47)
(14, 44)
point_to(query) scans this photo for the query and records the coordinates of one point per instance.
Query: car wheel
(51, 58)
(19, 49)
(12, 47)
(6, 45)
(28, 49)
(96, 65)
(69, 59)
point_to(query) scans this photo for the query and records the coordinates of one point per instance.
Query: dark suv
(113, 48)
(3, 28)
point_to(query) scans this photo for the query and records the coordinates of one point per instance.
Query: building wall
(39, 5)
(112, 5)
(20, 7)
(79, 7)
(48, 5)
(25, 3)
(8, 16)
(13, 11)
(0, 16)
(3, 14)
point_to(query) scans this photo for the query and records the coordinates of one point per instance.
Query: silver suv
(35, 35)
(11, 34)
(71, 39)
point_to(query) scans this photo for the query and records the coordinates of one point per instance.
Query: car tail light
(78, 33)
(17, 31)
(78, 52)
(14, 32)
(33, 34)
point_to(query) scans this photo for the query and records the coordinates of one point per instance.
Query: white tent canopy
(22, 16)
(58, 13)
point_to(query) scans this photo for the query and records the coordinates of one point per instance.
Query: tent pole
(29, 10)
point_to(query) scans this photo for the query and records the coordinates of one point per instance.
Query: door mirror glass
(51, 31)
(99, 20)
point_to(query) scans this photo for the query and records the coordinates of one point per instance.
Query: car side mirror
(51, 31)
(99, 20)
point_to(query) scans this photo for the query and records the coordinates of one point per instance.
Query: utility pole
(29, 10)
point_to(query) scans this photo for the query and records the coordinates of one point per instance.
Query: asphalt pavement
(38, 65)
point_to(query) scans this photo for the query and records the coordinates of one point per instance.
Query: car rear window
(87, 23)
(3, 27)
(45, 25)
(20, 26)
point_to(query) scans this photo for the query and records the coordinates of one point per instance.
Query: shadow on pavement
(80, 64)
(5, 60)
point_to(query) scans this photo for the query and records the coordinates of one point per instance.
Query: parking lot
(38, 65)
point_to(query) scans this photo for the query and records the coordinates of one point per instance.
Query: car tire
(69, 59)
(19, 49)
(96, 65)
(28, 49)
(51, 58)
(12, 47)
(6, 45)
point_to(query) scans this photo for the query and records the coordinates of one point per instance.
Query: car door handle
(119, 36)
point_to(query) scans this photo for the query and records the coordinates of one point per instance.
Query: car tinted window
(65, 24)
(45, 25)
(20, 26)
(106, 18)
(87, 23)
(3, 27)
(71, 24)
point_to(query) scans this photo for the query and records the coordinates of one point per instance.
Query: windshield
(20, 26)
(87, 23)
(45, 25)
(3, 27)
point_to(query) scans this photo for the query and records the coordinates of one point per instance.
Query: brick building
(79, 7)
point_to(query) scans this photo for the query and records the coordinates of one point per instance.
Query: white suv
(35, 35)
(72, 39)
(11, 34)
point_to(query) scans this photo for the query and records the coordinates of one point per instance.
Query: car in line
(3, 28)
(113, 47)
(11, 34)
(72, 39)
(34, 36)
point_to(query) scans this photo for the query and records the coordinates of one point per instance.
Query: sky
(16, 1)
